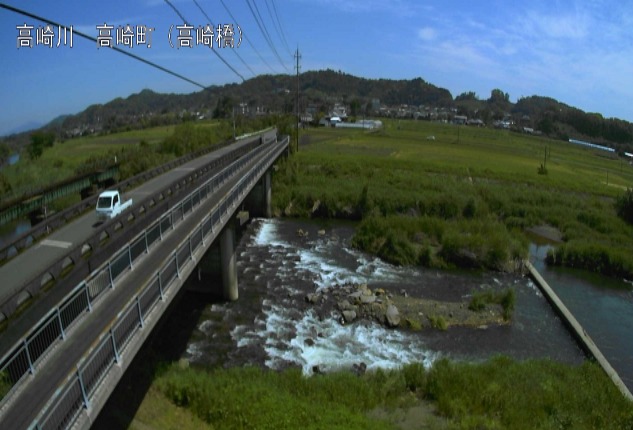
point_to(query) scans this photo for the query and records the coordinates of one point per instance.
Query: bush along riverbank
(500, 393)
(415, 207)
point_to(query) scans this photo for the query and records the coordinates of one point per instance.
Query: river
(603, 306)
(272, 325)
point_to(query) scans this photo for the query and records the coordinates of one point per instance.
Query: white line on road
(56, 243)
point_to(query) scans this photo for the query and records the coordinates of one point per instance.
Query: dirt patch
(547, 232)
(419, 416)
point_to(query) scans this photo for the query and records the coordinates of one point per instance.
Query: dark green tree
(40, 140)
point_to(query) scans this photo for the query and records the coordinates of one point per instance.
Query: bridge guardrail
(29, 237)
(114, 229)
(24, 357)
(76, 392)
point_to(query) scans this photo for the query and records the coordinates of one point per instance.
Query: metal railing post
(110, 272)
(88, 297)
(160, 286)
(84, 395)
(61, 326)
(117, 357)
(140, 312)
(28, 357)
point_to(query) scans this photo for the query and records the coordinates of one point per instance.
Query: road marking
(56, 243)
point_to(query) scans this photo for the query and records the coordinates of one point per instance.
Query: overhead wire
(277, 24)
(234, 50)
(215, 51)
(262, 28)
(247, 39)
(115, 48)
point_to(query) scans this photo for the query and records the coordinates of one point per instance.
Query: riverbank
(498, 394)
(440, 204)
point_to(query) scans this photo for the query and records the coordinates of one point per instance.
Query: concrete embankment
(577, 330)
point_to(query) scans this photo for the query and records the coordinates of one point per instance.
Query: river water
(603, 306)
(272, 325)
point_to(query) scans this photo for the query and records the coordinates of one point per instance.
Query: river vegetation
(491, 395)
(442, 196)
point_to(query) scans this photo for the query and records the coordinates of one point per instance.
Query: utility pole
(298, 57)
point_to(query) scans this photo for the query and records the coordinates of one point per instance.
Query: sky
(578, 52)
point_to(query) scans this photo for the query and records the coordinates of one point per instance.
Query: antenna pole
(298, 57)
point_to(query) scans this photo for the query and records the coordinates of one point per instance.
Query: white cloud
(427, 34)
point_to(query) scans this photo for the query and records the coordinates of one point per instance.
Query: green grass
(64, 158)
(444, 203)
(500, 393)
(505, 298)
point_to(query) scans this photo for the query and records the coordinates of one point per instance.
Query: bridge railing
(76, 392)
(25, 357)
(73, 266)
(28, 238)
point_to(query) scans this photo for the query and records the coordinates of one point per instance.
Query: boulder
(392, 316)
(321, 232)
(313, 298)
(344, 305)
(349, 316)
(288, 210)
(365, 300)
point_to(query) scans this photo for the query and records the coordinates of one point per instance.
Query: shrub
(505, 298)
(438, 321)
(624, 206)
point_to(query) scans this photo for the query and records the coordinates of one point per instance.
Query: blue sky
(578, 52)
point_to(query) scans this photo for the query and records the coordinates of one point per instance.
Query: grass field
(441, 195)
(499, 394)
(64, 158)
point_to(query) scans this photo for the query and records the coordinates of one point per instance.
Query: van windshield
(104, 203)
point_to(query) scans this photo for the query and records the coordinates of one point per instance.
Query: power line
(215, 51)
(247, 39)
(265, 32)
(116, 48)
(234, 51)
(277, 23)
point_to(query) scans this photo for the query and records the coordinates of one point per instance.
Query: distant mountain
(28, 126)
(322, 91)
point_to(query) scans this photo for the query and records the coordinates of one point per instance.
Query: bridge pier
(258, 202)
(217, 267)
(227, 256)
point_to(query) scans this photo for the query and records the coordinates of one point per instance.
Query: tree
(5, 185)
(224, 108)
(4, 152)
(40, 140)
(470, 95)
(498, 96)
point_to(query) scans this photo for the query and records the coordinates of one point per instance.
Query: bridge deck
(63, 359)
(39, 257)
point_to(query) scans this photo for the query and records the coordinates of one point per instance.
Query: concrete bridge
(93, 298)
